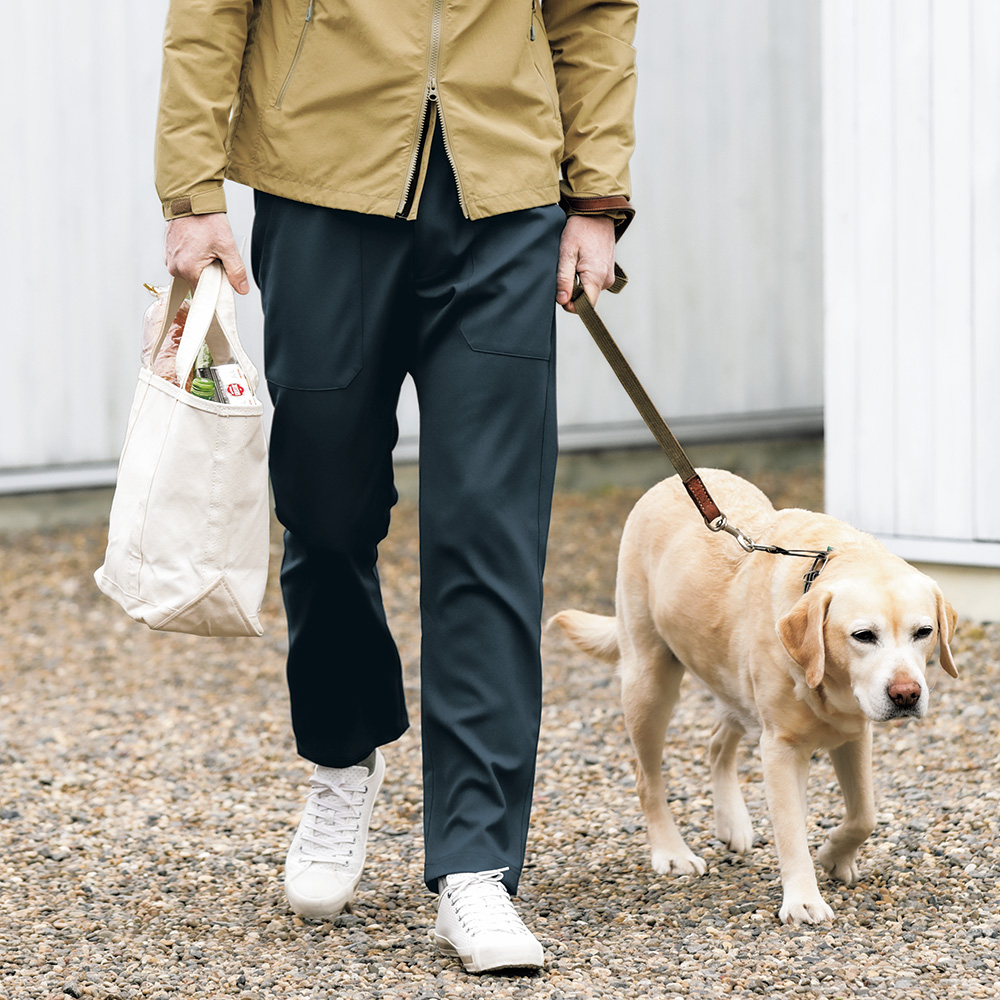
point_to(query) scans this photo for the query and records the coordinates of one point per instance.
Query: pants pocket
(514, 283)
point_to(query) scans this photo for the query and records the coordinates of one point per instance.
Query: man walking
(429, 176)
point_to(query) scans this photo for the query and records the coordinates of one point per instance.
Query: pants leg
(350, 303)
(336, 335)
(485, 375)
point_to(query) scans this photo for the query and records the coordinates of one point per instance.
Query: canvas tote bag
(188, 537)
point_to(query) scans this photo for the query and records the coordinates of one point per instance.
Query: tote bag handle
(213, 297)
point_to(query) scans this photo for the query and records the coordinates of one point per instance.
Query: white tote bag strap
(179, 289)
(199, 319)
(225, 309)
(213, 297)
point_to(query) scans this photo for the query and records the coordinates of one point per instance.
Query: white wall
(911, 92)
(82, 232)
(722, 318)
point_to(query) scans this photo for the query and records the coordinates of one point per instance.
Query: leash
(696, 489)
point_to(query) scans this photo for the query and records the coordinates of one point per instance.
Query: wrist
(617, 208)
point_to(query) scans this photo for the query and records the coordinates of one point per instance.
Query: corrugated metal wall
(912, 258)
(722, 317)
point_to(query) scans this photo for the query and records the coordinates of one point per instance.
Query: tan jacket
(329, 102)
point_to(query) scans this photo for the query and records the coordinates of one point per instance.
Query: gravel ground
(149, 788)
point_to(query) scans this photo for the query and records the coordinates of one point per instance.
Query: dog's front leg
(853, 764)
(786, 769)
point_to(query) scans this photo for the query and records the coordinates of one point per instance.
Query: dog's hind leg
(732, 821)
(651, 680)
(853, 765)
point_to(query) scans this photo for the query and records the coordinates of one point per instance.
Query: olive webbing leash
(707, 507)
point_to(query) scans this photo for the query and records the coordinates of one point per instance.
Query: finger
(565, 274)
(182, 260)
(235, 270)
(592, 287)
(180, 266)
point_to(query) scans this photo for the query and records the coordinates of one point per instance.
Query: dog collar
(819, 558)
(817, 567)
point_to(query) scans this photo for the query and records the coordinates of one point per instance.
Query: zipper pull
(309, 11)
(432, 90)
(534, 7)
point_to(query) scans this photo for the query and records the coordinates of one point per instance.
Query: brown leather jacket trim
(617, 207)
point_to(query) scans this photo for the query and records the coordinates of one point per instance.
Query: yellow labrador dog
(799, 670)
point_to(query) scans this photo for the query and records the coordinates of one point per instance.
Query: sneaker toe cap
(516, 952)
(315, 892)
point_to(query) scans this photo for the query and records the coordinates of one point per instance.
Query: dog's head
(869, 635)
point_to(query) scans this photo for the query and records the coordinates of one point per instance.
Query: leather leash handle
(697, 490)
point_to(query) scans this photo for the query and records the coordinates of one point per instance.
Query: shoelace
(332, 819)
(482, 904)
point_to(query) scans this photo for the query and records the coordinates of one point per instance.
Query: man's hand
(194, 241)
(587, 249)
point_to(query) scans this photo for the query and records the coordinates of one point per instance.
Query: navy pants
(352, 303)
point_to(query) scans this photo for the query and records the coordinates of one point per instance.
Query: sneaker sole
(529, 957)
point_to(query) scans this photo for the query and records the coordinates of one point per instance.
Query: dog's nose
(905, 694)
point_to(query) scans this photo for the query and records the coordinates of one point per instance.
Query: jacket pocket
(540, 52)
(286, 81)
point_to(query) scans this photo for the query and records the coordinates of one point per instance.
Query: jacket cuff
(199, 203)
(616, 207)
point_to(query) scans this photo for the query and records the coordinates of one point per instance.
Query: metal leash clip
(749, 545)
(721, 524)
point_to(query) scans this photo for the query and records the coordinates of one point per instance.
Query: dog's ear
(946, 619)
(801, 633)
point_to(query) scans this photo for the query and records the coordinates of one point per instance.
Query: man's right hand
(194, 241)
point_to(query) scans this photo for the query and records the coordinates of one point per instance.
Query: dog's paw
(843, 869)
(667, 863)
(813, 911)
(735, 831)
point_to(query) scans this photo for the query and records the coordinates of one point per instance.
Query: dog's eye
(865, 635)
(923, 632)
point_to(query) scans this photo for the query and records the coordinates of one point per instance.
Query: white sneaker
(477, 922)
(327, 855)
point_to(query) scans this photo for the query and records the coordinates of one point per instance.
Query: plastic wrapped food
(152, 321)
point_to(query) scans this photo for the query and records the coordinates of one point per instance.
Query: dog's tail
(594, 634)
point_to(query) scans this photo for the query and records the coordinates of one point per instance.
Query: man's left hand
(588, 250)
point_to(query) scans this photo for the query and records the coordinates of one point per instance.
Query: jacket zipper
(431, 103)
(295, 58)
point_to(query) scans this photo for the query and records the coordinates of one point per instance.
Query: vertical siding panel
(19, 217)
(796, 296)
(875, 362)
(86, 301)
(986, 265)
(951, 359)
(50, 249)
(840, 305)
(913, 337)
